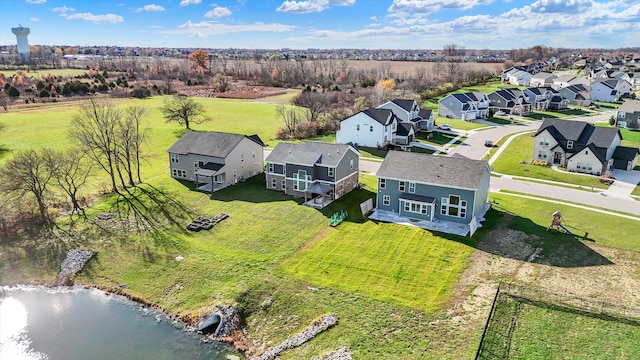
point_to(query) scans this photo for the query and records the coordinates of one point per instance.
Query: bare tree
(290, 118)
(220, 82)
(184, 111)
(71, 173)
(130, 140)
(29, 172)
(95, 129)
(315, 102)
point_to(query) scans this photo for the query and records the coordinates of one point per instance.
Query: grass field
(39, 74)
(523, 329)
(514, 161)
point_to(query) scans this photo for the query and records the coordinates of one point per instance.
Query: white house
(371, 128)
(609, 90)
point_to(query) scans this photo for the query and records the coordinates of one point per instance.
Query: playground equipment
(556, 224)
(338, 217)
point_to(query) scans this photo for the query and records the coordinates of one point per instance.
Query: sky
(325, 24)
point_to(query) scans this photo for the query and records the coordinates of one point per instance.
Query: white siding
(584, 157)
(364, 136)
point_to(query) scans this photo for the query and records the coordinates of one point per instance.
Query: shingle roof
(625, 153)
(425, 113)
(579, 131)
(209, 143)
(404, 103)
(438, 170)
(383, 116)
(404, 129)
(310, 153)
(630, 106)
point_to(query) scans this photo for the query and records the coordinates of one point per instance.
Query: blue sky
(372, 24)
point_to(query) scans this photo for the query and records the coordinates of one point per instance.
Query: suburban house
(372, 128)
(320, 172)
(434, 192)
(579, 146)
(563, 81)
(628, 115)
(542, 79)
(576, 94)
(516, 76)
(511, 101)
(539, 97)
(465, 106)
(408, 111)
(557, 102)
(214, 160)
(609, 90)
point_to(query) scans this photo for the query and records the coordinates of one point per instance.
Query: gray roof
(209, 143)
(309, 154)
(625, 153)
(457, 172)
(404, 103)
(581, 132)
(383, 116)
(630, 106)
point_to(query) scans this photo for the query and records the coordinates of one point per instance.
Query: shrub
(13, 92)
(141, 92)
(44, 93)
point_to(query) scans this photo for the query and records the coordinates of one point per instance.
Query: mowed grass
(534, 216)
(537, 329)
(514, 160)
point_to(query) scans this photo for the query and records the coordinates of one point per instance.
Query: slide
(565, 229)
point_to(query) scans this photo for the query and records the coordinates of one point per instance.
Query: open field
(39, 74)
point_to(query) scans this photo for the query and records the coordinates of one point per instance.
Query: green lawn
(534, 216)
(536, 329)
(539, 115)
(438, 139)
(515, 161)
(38, 74)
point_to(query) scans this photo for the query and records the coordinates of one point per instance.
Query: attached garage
(625, 158)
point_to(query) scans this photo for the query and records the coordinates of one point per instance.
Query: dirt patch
(237, 90)
(596, 272)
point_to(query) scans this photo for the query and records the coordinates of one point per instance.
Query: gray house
(448, 194)
(511, 101)
(465, 106)
(320, 172)
(214, 160)
(576, 94)
(628, 115)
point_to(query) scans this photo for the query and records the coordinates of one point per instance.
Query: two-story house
(539, 97)
(576, 94)
(440, 193)
(609, 90)
(511, 101)
(465, 106)
(371, 128)
(320, 172)
(214, 160)
(576, 145)
(408, 111)
(542, 79)
(628, 115)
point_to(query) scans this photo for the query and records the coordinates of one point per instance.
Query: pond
(78, 323)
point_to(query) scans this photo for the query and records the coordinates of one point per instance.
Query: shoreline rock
(74, 262)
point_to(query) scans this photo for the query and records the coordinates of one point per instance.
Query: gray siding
(437, 192)
(344, 169)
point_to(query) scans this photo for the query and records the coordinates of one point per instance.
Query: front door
(557, 158)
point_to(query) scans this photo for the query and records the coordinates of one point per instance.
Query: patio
(437, 225)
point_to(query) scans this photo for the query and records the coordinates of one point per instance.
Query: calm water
(37, 323)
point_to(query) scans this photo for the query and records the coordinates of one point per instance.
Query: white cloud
(108, 18)
(34, 19)
(218, 12)
(190, 2)
(150, 7)
(422, 6)
(310, 6)
(63, 9)
(206, 28)
(35, 1)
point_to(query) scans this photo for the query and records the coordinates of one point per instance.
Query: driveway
(625, 182)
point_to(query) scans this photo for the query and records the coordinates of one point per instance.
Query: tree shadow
(519, 238)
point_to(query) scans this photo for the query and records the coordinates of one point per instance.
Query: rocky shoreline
(74, 262)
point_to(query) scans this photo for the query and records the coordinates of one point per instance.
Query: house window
(570, 144)
(235, 173)
(242, 157)
(253, 154)
(370, 128)
(200, 164)
(179, 173)
(351, 164)
(299, 180)
(584, 166)
(401, 186)
(274, 183)
(622, 114)
(270, 167)
(386, 200)
(358, 127)
(284, 184)
(175, 158)
(415, 207)
(544, 141)
(383, 183)
(542, 154)
(412, 187)
(453, 206)
(218, 179)
(331, 172)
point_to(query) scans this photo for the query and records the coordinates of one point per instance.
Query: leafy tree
(184, 111)
(13, 92)
(612, 121)
(200, 60)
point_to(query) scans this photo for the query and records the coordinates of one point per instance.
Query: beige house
(214, 160)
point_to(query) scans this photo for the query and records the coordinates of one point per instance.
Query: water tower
(23, 43)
